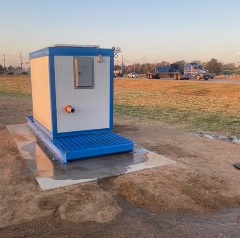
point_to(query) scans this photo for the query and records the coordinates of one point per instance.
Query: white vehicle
(132, 75)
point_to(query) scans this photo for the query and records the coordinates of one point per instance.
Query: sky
(146, 30)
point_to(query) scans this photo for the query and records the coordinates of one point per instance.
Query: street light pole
(122, 63)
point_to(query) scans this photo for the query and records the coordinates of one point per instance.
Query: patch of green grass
(15, 94)
(194, 121)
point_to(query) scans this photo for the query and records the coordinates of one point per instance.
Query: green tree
(199, 62)
(124, 69)
(163, 63)
(137, 68)
(116, 67)
(146, 68)
(10, 68)
(229, 66)
(179, 65)
(214, 66)
(130, 68)
(1, 69)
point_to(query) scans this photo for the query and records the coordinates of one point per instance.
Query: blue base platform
(82, 146)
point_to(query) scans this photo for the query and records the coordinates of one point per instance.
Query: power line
(23, 60)
(16, 56)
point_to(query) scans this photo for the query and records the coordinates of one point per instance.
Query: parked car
(132, 75)
(24, 73)
(10, 73)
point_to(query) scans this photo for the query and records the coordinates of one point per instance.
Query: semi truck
(191, 70)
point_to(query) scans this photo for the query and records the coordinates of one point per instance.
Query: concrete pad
(51, 174)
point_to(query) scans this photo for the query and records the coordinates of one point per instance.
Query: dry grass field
(210, 107)
(194, 106)
(15, 86)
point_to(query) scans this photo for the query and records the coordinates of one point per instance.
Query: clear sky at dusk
(146, 31)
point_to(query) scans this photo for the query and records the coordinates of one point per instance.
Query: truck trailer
(163, 71)
(191, 70)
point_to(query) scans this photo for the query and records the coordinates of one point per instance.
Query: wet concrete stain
(47, 170)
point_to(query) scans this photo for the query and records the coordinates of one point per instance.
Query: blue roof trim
(70, 51)
(39, 53)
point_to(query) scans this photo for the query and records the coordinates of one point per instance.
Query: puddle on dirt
(219, 224)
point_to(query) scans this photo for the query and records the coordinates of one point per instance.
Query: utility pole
(4, 64)
(122, 63)
(21, 63)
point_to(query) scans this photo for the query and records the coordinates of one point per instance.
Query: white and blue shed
(72, 95)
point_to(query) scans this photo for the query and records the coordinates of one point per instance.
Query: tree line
(213, 66)
(8, 69)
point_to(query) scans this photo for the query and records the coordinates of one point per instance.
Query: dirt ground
(199, 196)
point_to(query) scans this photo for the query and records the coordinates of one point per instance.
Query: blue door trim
(111, 91)
(53, 96)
